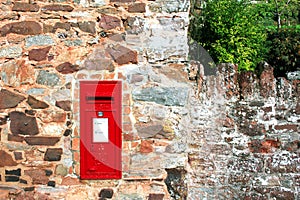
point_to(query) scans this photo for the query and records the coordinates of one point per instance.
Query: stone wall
(186, 134)
(244, 136)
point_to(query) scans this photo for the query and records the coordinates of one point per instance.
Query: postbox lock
(100, 114)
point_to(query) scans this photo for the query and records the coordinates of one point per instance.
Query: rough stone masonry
(186, 134)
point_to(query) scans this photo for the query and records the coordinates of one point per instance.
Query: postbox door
(100, 135)
(101, 153)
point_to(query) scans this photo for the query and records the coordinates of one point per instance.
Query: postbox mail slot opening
(100, 98)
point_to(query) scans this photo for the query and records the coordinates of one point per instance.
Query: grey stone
(10, 52)
(94, 40)
(130, 197)
(99, 2)
(169, 96)
(99, 64)
(293, 75)
(149, 131)
(106, 193)
(36, 91)
(47, 78)
(39, 40)
(14, 73)
(173, 23)
(169, 6)
(76, 42)
(61, 95)
(134, 25)
(155, 163)
(89, 27)
(60, 1)
(61, 170)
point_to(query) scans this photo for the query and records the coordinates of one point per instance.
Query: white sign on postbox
(100, 130)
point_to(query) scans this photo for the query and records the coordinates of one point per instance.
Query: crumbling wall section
(245, 136)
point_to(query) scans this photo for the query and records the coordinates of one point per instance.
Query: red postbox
(100, 129)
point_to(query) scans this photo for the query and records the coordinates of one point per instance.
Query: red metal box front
(100, 129)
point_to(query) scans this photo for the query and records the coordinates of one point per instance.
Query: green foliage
(279, 12)
(284, 53)
(231, 32)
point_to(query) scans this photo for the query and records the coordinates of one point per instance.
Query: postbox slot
(102, 99)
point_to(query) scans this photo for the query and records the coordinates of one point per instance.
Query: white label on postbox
(100, 129)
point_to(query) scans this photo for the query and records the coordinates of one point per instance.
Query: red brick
(146, 146)
(292, 146)
(58, 7)
(15, 138)
(108, 22)
(130, 137)
(127, 127)
(137, 8)
(76, 107)
(109, 76)
(229, 122)
(22, 28)
(39, 54)
(297, 109)
(265, 146)
(76, 156)
(126, 146)
(35, 103)
(82, 76)
(38, 176)
(126, 110)
(126, 99)
(9, 99)
(125, 162)
(67, 68)
(25, 7)
(76, 132)
(267, 109)
(125, 86)
(18, 155)
(70, 181)
(280, 194)
(65, 105)
(76, 169)
(23, 124)
(48, 141)
(156, 196)
(292, 127)
(126, 119)
(75, 144)
(53, 154)
(6, 159)
(267, 83)
(122, 55)
(134, 144)
(97, 76)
